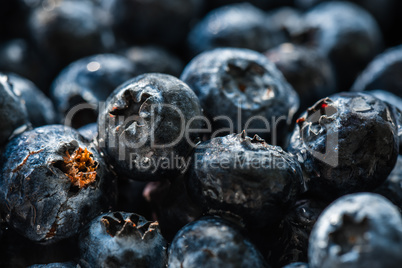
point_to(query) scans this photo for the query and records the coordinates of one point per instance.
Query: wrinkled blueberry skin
(242, 83)
(357, 230)
(297, 265)
(310, 73)
(13, 113)
(39, 107)
(153, 59)
(291, 243)
(383, 73)
(159, 21)
(90, 80)
(238, 25)
(244, 177)
(70, 30)
(139, 117)
(90, 131)
(345, 143)
(392, 187)
(212, 242)
(120, 239)
(18, 56)
(347, 34)
(37, 198)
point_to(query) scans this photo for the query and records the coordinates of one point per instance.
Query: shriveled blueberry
(67, 30)
(383, 73)
(345, 143)
(357, 230)
(244, 177)
(19, 57)
(239, 25)
(13, 113)
(392, 187)
(347, 34)
(241, 89)
(310, 73)
(212, 242)
(153, 59)
(157, 21)
(144, 128)
(90, 131)
(39, 107)
(120, 239)
(89, 81)
(52, 182)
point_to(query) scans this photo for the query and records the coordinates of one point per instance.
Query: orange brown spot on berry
(80, 167)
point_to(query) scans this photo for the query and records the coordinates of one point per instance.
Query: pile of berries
(200, 133)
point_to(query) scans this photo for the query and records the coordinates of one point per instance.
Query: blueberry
(238, 25)
(52, 182)
(39, 107)
(241, 89)
(90, 131)
(287, 20)
(347, 34)
(310, 73)
(156, 21)
(67, 30)
(244, 177)
(144, 128)
(392, 187)
(153, 59)
(212, 242)
(120, 239)
(345, 143)
(383, 73)
(69, 264)
(297, 265)
(89, 81)
(357, 230)
(13, 113)
(20, 57)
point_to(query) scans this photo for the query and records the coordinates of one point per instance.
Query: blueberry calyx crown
(117, 226)
(80, 167)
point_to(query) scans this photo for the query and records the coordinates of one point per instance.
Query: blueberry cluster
(201, 133)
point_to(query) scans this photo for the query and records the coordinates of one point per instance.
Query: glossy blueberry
(39, 107)
(238, 25)
(153, 59)
(89, 81)
(347, 34)
(392, 187)
(383, 73)
(13, 113)
(158, 21)
(310, 73)
(244, 177)
(120, 239)
(145, 127)
(345, 143)
(52, 182)
(212, 242)
(245, 90)
(357, 230)
(67, 30)
(18, 56)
